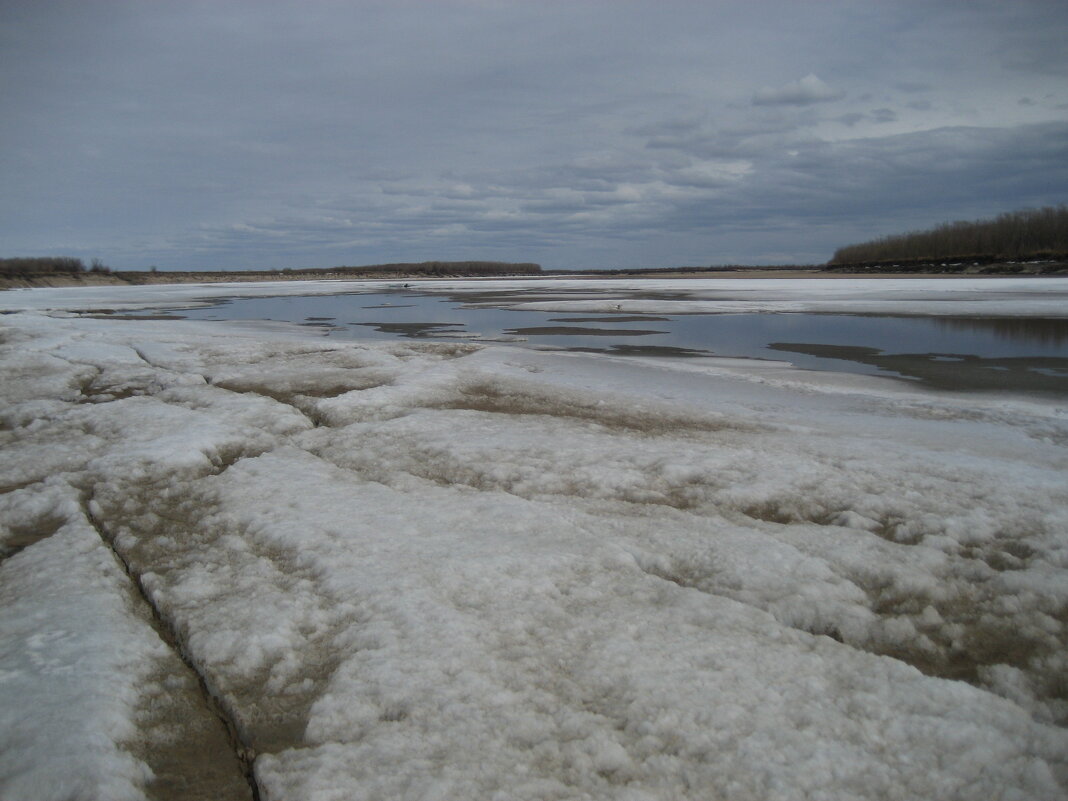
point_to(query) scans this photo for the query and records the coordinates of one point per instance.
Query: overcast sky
(574, 134)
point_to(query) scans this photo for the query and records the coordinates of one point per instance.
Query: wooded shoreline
(978, 267)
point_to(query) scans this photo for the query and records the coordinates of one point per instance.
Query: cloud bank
(809, 89)
(579, 135)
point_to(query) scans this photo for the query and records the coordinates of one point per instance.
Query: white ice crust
(1032, 297)
(449, 571)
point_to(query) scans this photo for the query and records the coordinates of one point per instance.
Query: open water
(966, 353)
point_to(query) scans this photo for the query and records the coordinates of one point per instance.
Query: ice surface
(454, 571)
(66, 716)
(1032, 297)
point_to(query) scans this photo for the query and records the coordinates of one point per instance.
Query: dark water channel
(957, 353)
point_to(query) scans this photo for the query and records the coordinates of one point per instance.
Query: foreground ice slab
(445, 571)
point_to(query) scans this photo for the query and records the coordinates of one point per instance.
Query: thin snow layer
(436, 571)
(67, 711)
(1028, 297)
(962, 297)
(85, 298)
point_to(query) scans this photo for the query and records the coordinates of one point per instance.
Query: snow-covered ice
(962, 297)
(453, 571)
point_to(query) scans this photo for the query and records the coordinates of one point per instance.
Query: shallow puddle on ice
(1022, 354)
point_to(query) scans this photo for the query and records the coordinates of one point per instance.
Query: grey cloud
(895, 183)
(746, 138)
(824, 196)
(803, 92)
(671, 127)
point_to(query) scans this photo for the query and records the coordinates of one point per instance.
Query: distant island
(62, 271)
(1026, 242)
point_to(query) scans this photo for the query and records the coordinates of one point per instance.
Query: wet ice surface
(1028, 354)
(423, 569)
(1001, 334)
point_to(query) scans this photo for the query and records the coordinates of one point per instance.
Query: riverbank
(119, 278)
(920, 270)
(25, 274)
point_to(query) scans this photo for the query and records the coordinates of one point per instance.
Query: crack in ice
(244, 754)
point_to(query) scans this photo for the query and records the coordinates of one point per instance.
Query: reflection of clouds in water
(941, 341)
(404, 329)
(943, 370)
(1020, 329)
(575, 330)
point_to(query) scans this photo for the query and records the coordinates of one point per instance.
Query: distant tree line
(712, 269)
(48, 265)
(439, 268)
(436, 269)
(1030, 233)
(61, 265)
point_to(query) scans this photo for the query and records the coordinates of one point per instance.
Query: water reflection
(1037, 375)
(1038, 330)
(963, 353)
(414, 329)
(581, 331)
